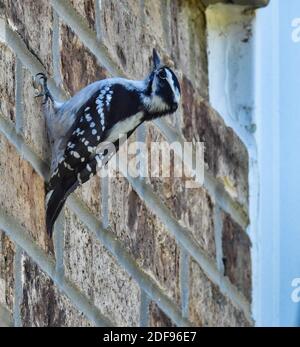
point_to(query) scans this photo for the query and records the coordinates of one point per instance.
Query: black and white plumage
(99, 113)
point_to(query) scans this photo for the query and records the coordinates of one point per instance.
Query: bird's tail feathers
(59, 189)
(56, 203)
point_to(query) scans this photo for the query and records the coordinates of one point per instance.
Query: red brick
(237, 255)
(157, 318)
(192, 207)
(7, 85)
(79, 67)
(133, 52)
(23, 195)
(43, 305)
(7, 254)
(144, 236)
(225, 154)
(208, 306)
(86, 9)
(33, 22)
(188, 35)
(96, 272)
(34, 125)
(90, 195)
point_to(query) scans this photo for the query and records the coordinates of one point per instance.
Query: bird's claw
(38, 78)
(41, 78)
(39, 94)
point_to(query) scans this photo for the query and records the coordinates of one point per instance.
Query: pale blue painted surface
(278, 143)
(289, 160)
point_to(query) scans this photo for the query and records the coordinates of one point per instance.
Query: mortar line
(17, 233)
(18, 287)
(59, 242)
(28, 59)
(104, 181)
(8, 130)
(141, 139)
(144, 309)
(142, 13)
(184, 277)
(19, 96)
(2, 30)
(56, 50)
(165, 9)
(79, 25)
(182, 235)
(98, 25)
(218, 226)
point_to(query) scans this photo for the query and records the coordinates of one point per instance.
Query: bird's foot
(41, 79)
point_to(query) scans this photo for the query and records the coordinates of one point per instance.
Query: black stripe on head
(150, 81)
(167, 87)
(174, 78)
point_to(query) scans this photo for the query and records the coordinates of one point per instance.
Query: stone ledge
(250, 3)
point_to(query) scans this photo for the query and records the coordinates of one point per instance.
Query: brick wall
(130, 252)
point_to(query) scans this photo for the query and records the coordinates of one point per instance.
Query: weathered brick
(78, 254)
(23, 194)
(79, 67)
(133, 52)
(154, 20)
(188, 34)
(7, 85)
(42, 304)
(90, 194)
(225, 154)
(34, 125)
(7, 254)
(237, 255)
(192, 207)
(95, 271)
(116, 293)
(157, 318)
(208, 306)
(33, 22)
(2, 9)
(144, 236)
(86, 9)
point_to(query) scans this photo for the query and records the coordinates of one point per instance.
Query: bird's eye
(162, 74)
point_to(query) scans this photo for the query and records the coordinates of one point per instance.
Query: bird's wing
(79, 161)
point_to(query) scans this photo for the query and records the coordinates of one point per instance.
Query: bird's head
(163, 88)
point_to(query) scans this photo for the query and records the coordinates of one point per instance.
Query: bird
(98, 114)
